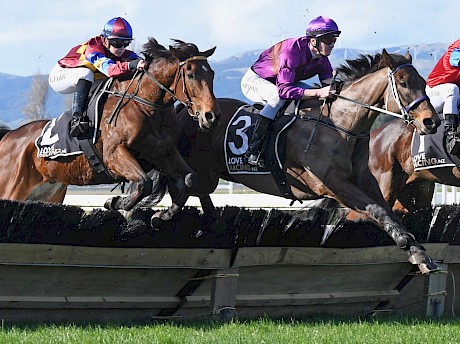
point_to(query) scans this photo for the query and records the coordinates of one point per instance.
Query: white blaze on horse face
(204, 68)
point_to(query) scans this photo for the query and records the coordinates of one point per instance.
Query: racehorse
(138, 132)
(391, 163)
(335, 165)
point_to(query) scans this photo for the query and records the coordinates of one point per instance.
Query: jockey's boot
(452, 135)
(80, 122)
(260, 130)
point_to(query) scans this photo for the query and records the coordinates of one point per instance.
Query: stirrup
(254, 160)
(79, 127)
(453, 143)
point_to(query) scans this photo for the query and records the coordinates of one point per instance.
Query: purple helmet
(118, 28)
(321, 26)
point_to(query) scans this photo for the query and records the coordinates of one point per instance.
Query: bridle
(180, 73)
(405, 110)
(392, 85)
(405, 116)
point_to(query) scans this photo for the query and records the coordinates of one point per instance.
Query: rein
(392, 85)
(329, 124)
(180, 72)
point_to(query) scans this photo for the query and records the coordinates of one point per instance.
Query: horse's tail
(326, 212)
(159, 189)
(3, 130)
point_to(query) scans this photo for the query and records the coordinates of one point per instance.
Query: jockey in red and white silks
(443, 89)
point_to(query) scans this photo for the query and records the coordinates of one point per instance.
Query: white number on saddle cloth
(47, 139)
(241, 133)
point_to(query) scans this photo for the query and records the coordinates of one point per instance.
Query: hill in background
(228, 74)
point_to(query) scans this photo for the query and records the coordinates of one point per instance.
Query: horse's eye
(404, 84)
(191, 76)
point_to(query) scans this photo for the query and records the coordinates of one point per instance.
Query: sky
(35, 34)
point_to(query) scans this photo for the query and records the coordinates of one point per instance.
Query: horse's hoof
(156, 223)
(425, 264)
(429, 268)
(127, 214)
(110, 203)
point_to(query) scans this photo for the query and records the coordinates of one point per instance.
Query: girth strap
(94, 158)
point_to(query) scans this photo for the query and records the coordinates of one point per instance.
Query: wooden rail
(68, 283)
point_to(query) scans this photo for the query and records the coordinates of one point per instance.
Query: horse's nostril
(210, 117)
(430, 125)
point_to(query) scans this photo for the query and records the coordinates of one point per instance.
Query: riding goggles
(118, 43)
(328, 39)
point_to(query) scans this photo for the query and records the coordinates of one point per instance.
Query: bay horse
(335, 166)
(142, 136)
(391, 163)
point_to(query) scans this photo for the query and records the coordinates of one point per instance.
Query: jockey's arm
(322, 92)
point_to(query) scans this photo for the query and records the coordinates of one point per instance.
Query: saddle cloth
(428, 151)
(55, 140)
(237, 137)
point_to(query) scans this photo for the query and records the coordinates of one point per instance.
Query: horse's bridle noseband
(392, 85)
(405, 116)
(180, 73)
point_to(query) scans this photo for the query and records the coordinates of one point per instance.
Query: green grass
(400, 330)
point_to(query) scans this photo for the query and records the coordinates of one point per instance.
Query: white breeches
(445, 98)
(64, 80)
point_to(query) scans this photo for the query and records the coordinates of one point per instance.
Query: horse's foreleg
(354, 198)
(209, 209)
(125, 165)
(179, 196)
(48, 192)
(181, 179)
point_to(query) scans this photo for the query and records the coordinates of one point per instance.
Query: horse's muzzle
(209, 120)
(430, 126)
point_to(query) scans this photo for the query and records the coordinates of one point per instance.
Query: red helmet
(118, 28)
(321, 26)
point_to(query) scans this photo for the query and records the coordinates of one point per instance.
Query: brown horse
(335, 166)
(391, 163)
(142, 136)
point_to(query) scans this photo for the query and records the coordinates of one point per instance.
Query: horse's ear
(408, 56)
(386, 59)
(209, 52)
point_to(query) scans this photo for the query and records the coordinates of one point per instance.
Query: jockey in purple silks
(100, 57)
(275, 77)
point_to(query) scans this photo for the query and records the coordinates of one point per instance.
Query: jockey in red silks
(275, 77)
(100, 57)
(443, 89)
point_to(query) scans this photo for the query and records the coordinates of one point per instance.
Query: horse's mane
(3, 130)
(352, 70)
(179, 50)
(152, 50)
(183, 50)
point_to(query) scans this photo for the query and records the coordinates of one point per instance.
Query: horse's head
(194, 83)
(409, 96)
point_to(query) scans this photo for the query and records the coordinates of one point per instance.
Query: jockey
(443, 89)
(274, 78)
(100, 57)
